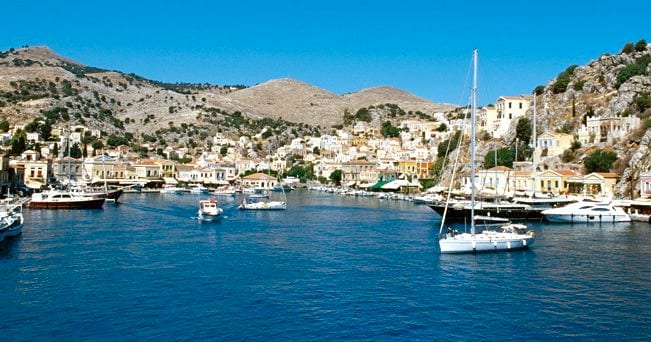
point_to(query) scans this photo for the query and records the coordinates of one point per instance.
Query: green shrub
(640, 45)
(599, 161)
(628, 48)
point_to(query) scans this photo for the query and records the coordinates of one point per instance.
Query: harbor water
(328, 268)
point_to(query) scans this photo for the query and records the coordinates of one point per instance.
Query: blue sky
(423, 47)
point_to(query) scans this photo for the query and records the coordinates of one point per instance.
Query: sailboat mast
(535, 142)
(473, 113)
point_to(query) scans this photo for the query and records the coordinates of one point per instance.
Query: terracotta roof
(259, 176)
(565, 172)
(608, 174)
(499, 168)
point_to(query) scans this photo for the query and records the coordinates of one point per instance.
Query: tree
(389, 130)
(75, 151)
(539, 90)
(628, 48)
(523, 130)
(335, 176)
(363, 115)
(18, 143)
(599, 161)
(55, 149)
(4, 125)
(223, 150)
(640, 45)
(504, 158)
(442, 127)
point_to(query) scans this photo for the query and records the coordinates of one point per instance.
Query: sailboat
(263, 203)
(539, 201)
(505, 237)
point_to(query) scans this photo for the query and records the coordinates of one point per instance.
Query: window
(520, 105)
(556, 184)
(509, 104)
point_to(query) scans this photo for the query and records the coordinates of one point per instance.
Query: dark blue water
(327, 268)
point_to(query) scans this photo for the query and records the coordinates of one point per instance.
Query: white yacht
(587, 211)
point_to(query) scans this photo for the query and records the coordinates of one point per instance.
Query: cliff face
(599, 89)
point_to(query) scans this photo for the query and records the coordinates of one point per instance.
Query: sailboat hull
(478, 243)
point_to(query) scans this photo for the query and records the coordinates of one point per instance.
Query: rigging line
(456, 159)
(463, 92)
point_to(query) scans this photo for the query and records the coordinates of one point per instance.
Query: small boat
(11, 220)
(225, 192)
(170, 189)
(209, 210)
(587, 211)
(257, 204)
(63, 199)
(199, 189)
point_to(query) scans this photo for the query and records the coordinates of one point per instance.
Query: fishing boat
(209, 210)
(504, 237)
(587, 212)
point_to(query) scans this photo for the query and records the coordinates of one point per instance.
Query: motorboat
(11, 220)
(261, 204)
(171, 189)
(199, 189)
(224, 192)
(587, 211)
(209, 210)
(428, 199)
(64, 199)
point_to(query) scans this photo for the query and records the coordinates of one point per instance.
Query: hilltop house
(487, 118)
(550, 144)
(607, 129)
(645, 184)
(508, 109)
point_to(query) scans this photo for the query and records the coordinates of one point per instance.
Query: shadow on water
(9, 246)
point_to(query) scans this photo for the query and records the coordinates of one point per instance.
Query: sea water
(327, 268)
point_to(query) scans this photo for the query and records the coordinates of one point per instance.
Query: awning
(365, 185)
(377, 185)
(169, 180)
(351, 183)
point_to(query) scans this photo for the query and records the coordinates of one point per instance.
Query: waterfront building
(259, 180)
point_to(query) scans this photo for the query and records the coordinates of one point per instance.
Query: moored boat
(256, 204)
(60, 199)
(587, 211)
(11, 220)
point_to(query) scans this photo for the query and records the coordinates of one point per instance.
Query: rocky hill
(35, 80)
(613, 85)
